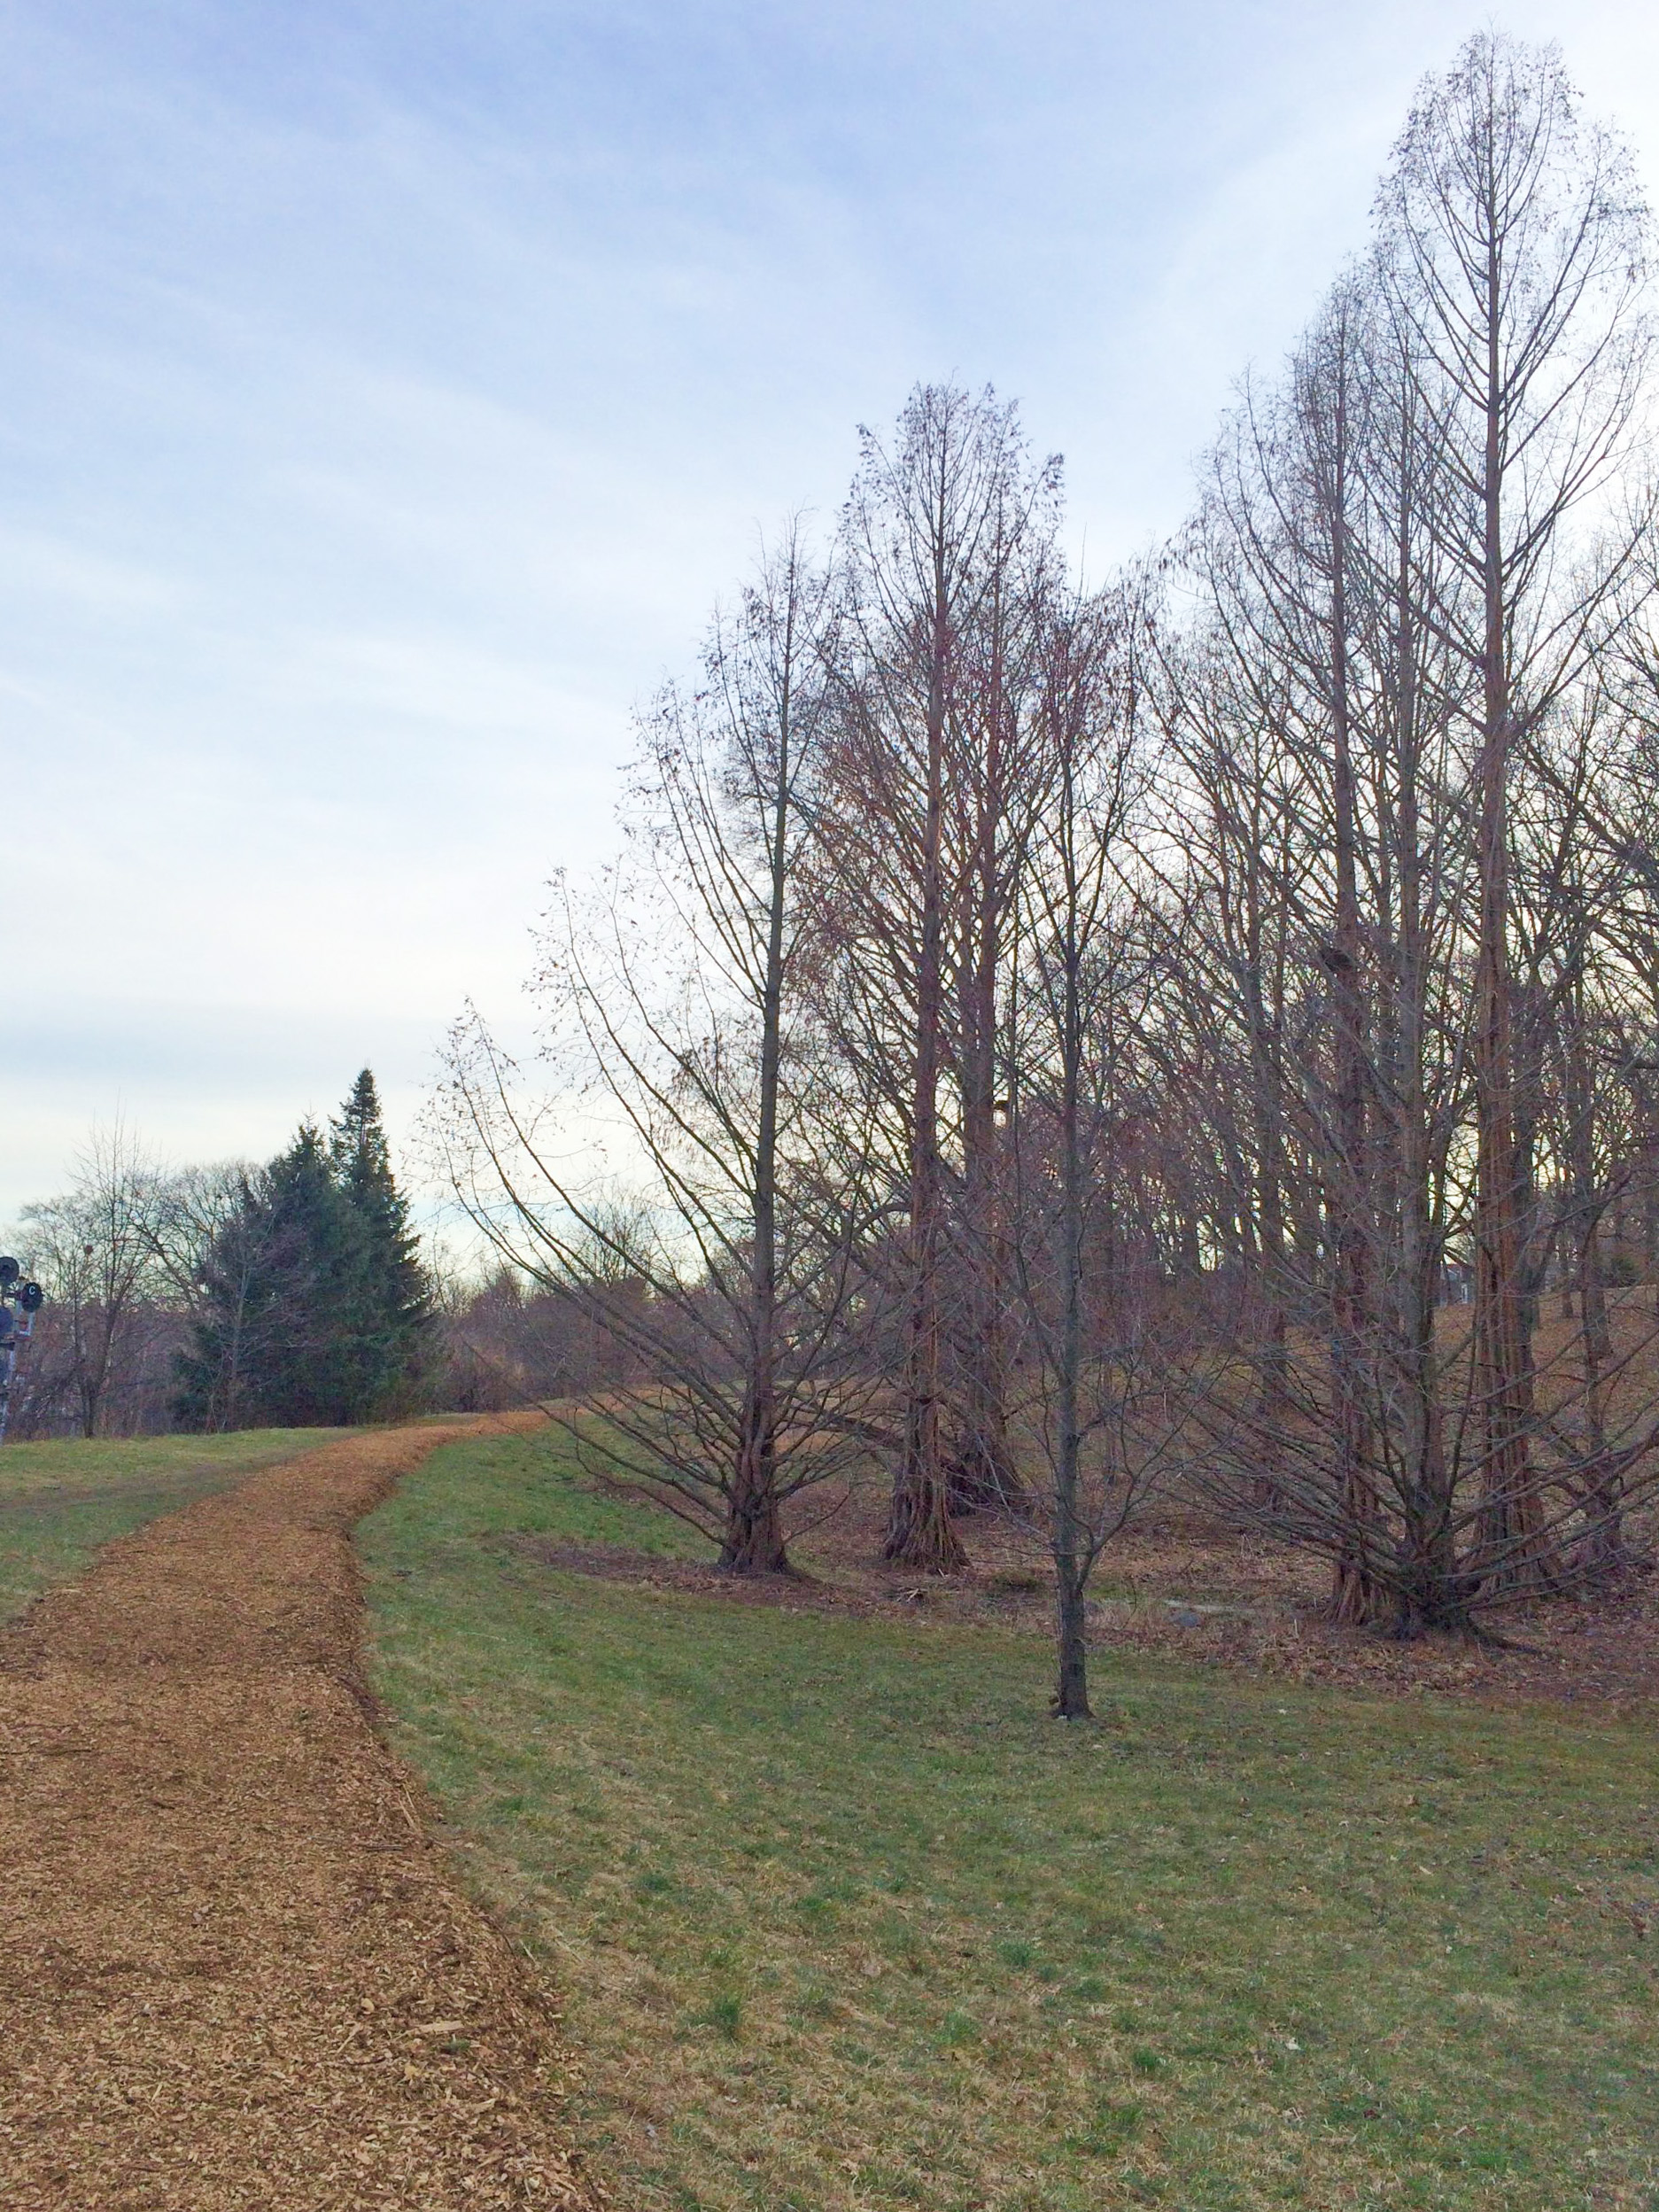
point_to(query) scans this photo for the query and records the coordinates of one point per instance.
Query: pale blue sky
(387, 389)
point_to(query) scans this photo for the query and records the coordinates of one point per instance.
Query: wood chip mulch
(235, 1972)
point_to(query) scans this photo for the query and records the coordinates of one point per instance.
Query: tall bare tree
(717, 1237)
(942, 531)
(1514, 250)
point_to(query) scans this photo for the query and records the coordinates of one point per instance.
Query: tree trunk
(1071, 1697)
(1356, 1594)
(984, 1475)
(1429, 1595)
(1603, 1555)
(754, 1537)
(920, 1531)
(1510, 1551)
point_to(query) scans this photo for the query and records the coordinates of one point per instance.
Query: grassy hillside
(843, 1921)
(60, 1500)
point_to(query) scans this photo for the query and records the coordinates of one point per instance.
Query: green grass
(59, 1500)
(842, 1920)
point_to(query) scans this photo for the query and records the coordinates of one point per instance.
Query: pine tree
(393, 1306)
(316, 1306)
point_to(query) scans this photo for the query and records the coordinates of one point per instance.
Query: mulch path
(235, 1972)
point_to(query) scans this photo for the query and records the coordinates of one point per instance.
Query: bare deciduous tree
(945, 535)
(719, 1248)
(1513, 250)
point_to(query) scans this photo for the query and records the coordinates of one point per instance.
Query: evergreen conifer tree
(393, 1304)
(316, 1306)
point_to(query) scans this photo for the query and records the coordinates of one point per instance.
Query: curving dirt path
(233, 1971)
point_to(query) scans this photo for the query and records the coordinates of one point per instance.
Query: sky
(389, 388)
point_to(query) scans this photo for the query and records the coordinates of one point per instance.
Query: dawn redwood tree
(946, 1115)
(1232, 814)
(1290, 487)
(1403, 586)
(719, 1248)
(1269, 723)
(1329, 413)
(997, 754)
(1513, 245)
(1585, 1002)
(944, 529)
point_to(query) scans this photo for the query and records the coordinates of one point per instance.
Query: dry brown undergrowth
(1177, 1585)
(235, 1972)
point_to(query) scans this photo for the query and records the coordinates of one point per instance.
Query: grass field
(842, 1920)
(59, 1500)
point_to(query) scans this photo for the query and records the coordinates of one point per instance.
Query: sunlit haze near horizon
(390, 390)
